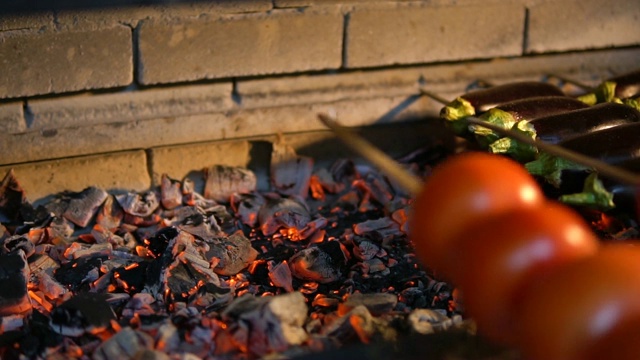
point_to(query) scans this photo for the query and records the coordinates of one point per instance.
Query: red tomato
(622, 343)
(500, 254)
(579, 304)
(465, 189)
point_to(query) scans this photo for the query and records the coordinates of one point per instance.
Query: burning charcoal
(375, 186)
(280, 275)
(265, 325)
(246, 207)
(131, 278)
(383, 228)
(428, 321)
(328, 183)
(290, 173)
(322, 262)
(223, 181)
(59, 230)
(376, 265)
(125, 344)
(183, 281)
(167, 338)
(356, 324)
(11, 323)
(365, 250)
(42, 269)
(141, 205)
(377, 303)
(77, 250)
(83, 313)
(11, 198)
(14, 275)
(212, 297)
(82, 206)
(400, 216)
(18, 242)
(194, 221)
(223, 220)
(344, 171)
(170, 192)
(159, 242)
(110, 215)
(231, 255)
(288, 213)
(79, 271)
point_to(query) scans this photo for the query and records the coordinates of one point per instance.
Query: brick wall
(126, 88)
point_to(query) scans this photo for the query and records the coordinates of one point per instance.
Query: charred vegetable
(508, 114)
(614, 146)
(615, 89)
(561, 127)
(479, 101)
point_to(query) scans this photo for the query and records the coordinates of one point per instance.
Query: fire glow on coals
(321, 262)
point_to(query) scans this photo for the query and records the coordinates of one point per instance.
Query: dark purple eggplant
(565, 126)
(478, 101)
(508, 114)
(615, 89)
(606, 194)
(616, 145)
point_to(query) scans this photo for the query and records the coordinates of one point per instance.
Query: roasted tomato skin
(496, 256)
(580, 304)
(464, 189)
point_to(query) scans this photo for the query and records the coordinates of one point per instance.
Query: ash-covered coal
(319, 262)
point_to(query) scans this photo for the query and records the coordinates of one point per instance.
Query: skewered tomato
(562, 314)
(464, 189)
(504, 252)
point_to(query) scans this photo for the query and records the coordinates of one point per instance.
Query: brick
(406, 35)
(88, 110)
(124, 170)
(278, 42)
(12, 118)
(20, 21)
(53, 62)
(182, 160)
(567, 25)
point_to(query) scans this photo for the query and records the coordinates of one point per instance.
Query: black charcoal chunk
(141, 205)
(83, 206)
(377, 303)
(232, 254)
(132, 277)
(283, 213)
(14, 277)
(124, 345)
(158, 243)
(183, 280)
(322, 263)
(11, 198)
(83, 313)
(76, 273)
(223, 181)
(246, 207)
(18, 242)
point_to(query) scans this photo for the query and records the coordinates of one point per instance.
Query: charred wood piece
(82, 206)
(83, 313)
(223, 181)
(322, 263)
(141, 205)
(14, 277)
(12, 197)
(231, 255)
(170, 192)
(126, 344)
(288, 213)
(110, 215)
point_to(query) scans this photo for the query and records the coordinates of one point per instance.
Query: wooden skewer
(409, 182)
(603, 168)
(435, 97)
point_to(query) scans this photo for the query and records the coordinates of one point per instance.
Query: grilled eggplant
(565, 126)
(617, 145)
(479, 101)
(508, 114)
(615, 89)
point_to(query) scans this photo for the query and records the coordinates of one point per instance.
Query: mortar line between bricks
(135, 53)
(525, 31)
(345, 41)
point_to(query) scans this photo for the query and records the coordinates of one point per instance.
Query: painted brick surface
(87, 110)
(180, 161)
(124, 170)
(406, 35)
(52, 62)
(12, 118)
(278, 42)
(565, 25)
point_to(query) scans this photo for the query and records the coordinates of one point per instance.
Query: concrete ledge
(124, 170)
(87, 110)
(278, 42)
